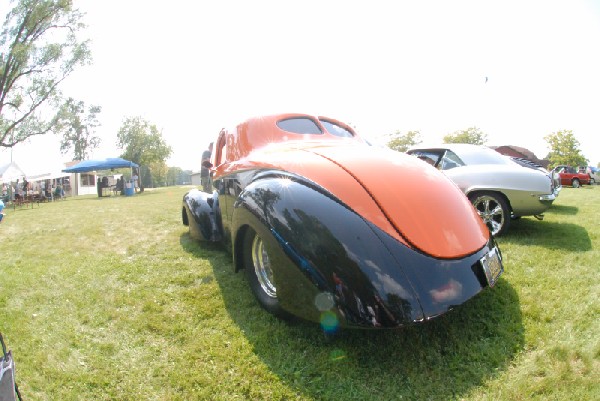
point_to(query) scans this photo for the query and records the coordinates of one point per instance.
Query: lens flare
(329, 322)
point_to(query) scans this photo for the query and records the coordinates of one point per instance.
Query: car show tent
(101, 164)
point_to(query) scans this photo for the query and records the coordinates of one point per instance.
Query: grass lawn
(110, 299)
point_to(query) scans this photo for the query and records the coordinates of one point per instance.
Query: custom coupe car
(331, 230)
(498, 187)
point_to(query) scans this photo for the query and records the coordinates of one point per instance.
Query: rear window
(335, 129)
(300, 125)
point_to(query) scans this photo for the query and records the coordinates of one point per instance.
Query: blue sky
(193, 67)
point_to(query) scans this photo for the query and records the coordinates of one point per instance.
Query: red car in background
(569, 176)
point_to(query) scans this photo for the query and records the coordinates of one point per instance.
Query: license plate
(492, 266)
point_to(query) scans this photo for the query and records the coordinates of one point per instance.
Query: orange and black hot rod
(335, 231)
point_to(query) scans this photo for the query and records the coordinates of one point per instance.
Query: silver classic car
(498, 187)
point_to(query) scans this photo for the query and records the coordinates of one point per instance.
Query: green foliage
(38, 50)
(143, 144)
(472, 135)
(402, 143)
(564, 149)
(78, 129)
(117, 302)
(173, 176)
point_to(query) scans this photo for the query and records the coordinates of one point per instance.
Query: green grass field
(110, 299)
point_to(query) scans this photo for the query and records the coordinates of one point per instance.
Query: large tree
(402, 142)
(78, 128)
(143, 144)
(564, 149)
(38, 50)
(472, 135)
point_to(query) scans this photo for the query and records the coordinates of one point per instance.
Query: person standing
(135, 179)
(204, 171)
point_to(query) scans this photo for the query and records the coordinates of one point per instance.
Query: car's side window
(429, 157)
(337, 130)
(450, 160)
(300, 125)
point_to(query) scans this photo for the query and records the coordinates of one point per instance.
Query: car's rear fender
(327, 259)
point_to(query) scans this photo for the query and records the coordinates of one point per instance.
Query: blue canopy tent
(103, 164)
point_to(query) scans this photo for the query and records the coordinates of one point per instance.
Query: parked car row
(333, 230)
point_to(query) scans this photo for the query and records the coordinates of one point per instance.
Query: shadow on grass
(441, 359)
(563, 210)
(550, 235)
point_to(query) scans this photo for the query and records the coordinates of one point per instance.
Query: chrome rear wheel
(260, 272)
(493, 210)
(262, 267)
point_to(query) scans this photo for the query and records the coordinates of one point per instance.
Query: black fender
(330, 264)
(200, 211)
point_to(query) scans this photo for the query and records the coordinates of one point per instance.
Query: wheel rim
(575, 183)
(262, 267)
(490, 211)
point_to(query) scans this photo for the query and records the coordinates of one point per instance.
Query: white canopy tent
(11, 172)
(47, 176)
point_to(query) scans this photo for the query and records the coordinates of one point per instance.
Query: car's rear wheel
(592, 181)
(260, 273)
(493, 210)
(575, 183)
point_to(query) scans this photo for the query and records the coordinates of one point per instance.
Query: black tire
(260, 274)
(493, 210)
(575, 183)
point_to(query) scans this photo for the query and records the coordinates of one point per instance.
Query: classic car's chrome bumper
(550, 197)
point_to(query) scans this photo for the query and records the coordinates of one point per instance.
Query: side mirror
(207, 164)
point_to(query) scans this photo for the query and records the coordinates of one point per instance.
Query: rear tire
(260, 273)
(493, 210)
